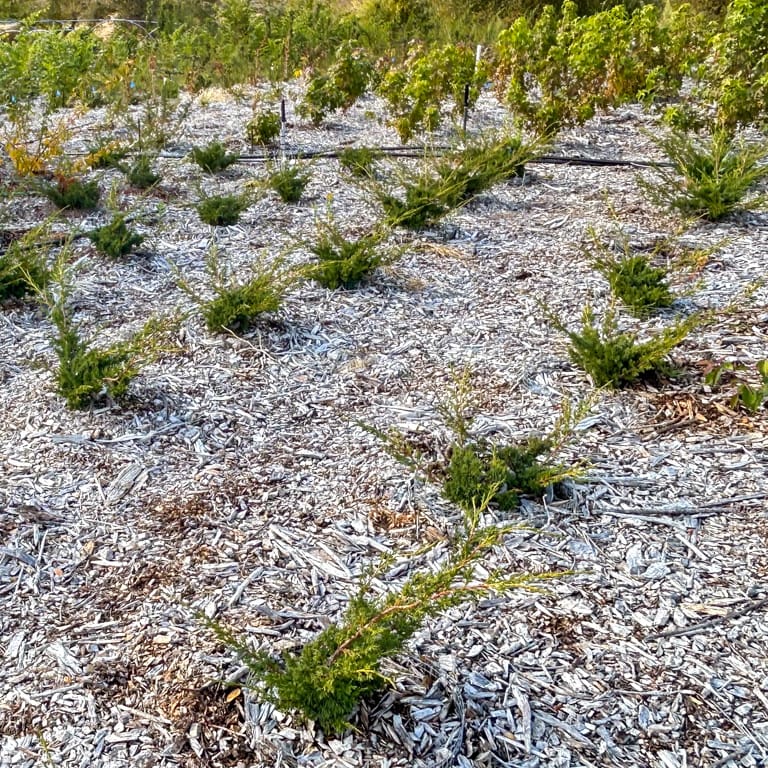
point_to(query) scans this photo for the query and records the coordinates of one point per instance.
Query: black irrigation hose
(417, 152)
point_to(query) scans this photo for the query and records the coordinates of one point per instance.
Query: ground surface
(237, 481)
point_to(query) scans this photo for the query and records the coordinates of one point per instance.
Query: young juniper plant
(332, 674)
(213, 157)
(223, 210)
(115, 239)
(238, 305)
(710, 178)
(71, 192)
(289, 181)
(616, 358)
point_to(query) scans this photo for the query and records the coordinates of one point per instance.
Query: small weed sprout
(222, 210)
(213, 157)
(710, 178)
(616, 359)
(329, 677)
(71, 192)
(289, 181)
(140, 174)
(237, 306)
(263, 129)
(115, 239)
(749, 396)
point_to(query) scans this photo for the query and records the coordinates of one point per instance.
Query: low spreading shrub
(709, 178)
(342, 262)
(331, 674)
(213, 157)
(140, 174)
(115, 239)
(617, 359)
(289, 181)
(359, 161)
(71, 192)
(22, 267)
(237, 304)
(223, 210)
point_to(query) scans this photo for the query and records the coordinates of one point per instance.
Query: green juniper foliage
(115, 239)
(480, 166)
(709, 178)
(237, 305)
(341, 262)
(427, 199)
(213, 157)
(140, 174)
(639, 285)
(289, 182)
(22, 268)
(359, 161)
(616, 359)
(512, 470)
(222, 211)
(70, 192)
(87, 374)
(329, 677)
(263, 129)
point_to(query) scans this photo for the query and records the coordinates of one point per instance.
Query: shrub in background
(710, 177)
(340, 86)
(263, 129)
(213, 157)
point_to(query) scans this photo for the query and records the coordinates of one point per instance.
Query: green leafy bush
(140, 174)
(263, 129)
(735, 76)
(115, 239)
(71, 192)
(213, 157)
(345, 81)
(558, 70)
(710, 178)
(222, 210)
(289, 181)
(616, 359)
(418, 90)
